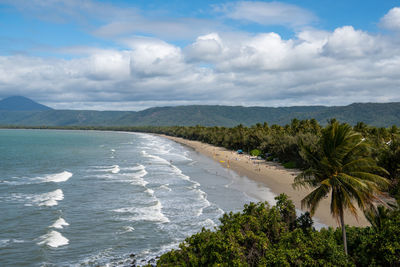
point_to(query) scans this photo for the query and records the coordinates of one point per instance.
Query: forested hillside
(381, 115)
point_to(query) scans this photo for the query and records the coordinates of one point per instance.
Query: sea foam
(59, 224)
(113, 169)
(55, 178)
(152, 213)
(138, 176)
(48, 199)
(53, 239)
(58, 177)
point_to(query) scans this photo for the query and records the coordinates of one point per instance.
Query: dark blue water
(87, 198)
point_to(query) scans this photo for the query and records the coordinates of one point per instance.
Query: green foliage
(376, 246)
(384, 114)
(290, 165)
(262, 235)
(259, 236)
(255, 152)
(343, 168)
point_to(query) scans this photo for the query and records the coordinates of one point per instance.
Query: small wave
(5, 242)
(165, 187)
(156, 159)
(128, 229)
(48, 199)
(113, 169)
(229, 184)
(59, 224)
(53, 239)
(178, 172)
(58, 177)
(139, 167)
(138, 177)
(152, 213)
(150, 191)
(139, 174)
(55, 178)
(45, 199)
(192, 163)
(203, 200)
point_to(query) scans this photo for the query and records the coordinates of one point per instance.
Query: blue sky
(132, 55)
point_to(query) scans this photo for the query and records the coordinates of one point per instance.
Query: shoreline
(272, 175)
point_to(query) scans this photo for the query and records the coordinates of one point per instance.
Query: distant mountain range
(20, 103)
(23, 111)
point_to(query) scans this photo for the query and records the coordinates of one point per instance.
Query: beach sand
(270, 174)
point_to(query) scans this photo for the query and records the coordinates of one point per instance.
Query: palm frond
(312, 200)
(379, 181)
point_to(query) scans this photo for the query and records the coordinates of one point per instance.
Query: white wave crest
(59, 224)
(150, 191)
(139, 167)
(58, 177)
(138, 178)
(53, 239)
(48, 199)
(152, 213)
(178, 172)
(115, 169)
(128, 229)
(203, 201)
(165, 187)
(156, 159)
(55, 178)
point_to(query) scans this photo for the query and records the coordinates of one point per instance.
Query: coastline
(272, 175)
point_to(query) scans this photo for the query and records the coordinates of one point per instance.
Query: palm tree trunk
(343, 232)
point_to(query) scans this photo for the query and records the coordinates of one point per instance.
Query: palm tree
(342, 167)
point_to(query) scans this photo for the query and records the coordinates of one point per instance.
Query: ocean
(91, 198)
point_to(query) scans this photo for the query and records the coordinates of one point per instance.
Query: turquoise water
(88, 198)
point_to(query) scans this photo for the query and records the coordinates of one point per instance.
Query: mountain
(376, 114)
(20, 103)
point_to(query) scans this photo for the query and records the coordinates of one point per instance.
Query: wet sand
(270, 174)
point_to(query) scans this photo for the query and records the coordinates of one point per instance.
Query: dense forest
(262, 235)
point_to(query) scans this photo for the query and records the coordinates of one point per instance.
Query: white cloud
(347, 42)
(151, 57)
(391, 20)
(167, 28)
(267, 13)
(236, 68)
(330, 68)
(207, 48)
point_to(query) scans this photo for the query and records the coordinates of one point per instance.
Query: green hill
(20, 103)
(376, 114)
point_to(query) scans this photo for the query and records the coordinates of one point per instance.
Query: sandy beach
(270, 174)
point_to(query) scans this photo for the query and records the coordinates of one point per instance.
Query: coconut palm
(343, 168)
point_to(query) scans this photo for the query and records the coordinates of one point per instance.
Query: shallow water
(88, 198)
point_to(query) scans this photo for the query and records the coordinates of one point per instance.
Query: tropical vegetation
(264, 235)
(343, 168)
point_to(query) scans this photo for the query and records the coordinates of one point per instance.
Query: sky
(132, 55)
